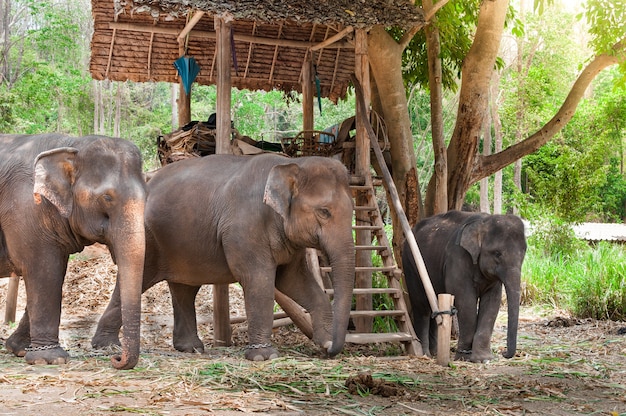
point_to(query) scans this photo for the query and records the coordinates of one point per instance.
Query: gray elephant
(469, 255)
(248, 219)
(59, 194)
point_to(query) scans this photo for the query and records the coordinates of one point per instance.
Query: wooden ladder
(365, 195)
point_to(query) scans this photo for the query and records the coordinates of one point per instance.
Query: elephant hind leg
(185, 324)
(297, 282)
(108, 330)
(19, 340)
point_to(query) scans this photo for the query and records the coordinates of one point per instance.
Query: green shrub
(587, 283)
(554, 237)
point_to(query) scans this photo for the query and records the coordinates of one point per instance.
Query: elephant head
(497, 246)
(312, 195)
(98, 187)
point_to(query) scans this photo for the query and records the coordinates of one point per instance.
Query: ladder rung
(328, 269)
(370, 248)
(393, 312)
(368, 291)
(370, 338)
(367, 227)
(361, 187)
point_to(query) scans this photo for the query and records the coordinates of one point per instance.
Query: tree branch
(488, 165)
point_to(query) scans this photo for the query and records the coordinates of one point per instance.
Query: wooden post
(11, 305)
(297, 314)
(222, 332)
(444, 330)
(362, 169)
(307, 95)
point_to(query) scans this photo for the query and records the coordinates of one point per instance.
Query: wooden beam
(106, 73)
(307, 94)
(238, 37)
(250, 47)
(280, 30)
(150, 55)
(362, 168)
(184, 99)
(221, 311)
(329, 41)
(190, 25)
(11, 302)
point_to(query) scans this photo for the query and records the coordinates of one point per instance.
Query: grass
(588, 282)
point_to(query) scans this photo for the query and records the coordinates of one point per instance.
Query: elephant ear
(280, 187)
(471, 238)
(55, 173)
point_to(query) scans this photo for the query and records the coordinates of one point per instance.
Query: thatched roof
(137, 39)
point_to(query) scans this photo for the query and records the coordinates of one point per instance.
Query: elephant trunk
(129, 246)
(513, 294)
(342, 262)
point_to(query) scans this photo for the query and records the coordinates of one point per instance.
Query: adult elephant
(469, 255)
(248, 219)
(59, 194)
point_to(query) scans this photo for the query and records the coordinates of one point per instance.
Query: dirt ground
(563, 367)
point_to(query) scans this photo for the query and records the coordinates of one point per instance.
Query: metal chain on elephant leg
(42, 348)
(258, 346)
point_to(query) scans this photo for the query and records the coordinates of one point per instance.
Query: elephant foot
(102, 340)
(463, 355)
(192, 345)
(481, 357)
(473, 356)
(17, 344)
(260, 352)
(50, 354)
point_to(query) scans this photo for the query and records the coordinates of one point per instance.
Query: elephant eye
(324, 213)
(497, 254)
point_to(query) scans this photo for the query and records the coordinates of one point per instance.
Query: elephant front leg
(297, 282)
(259, 299)
(185, 324)
(108, 330)
(44, 317)
(466, 312)
(487, 312)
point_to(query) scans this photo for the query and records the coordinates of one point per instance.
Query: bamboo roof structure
(138, 40)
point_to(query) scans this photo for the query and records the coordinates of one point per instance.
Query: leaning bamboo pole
(406, 228)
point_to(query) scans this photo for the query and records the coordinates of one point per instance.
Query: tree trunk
(485, 206)
(386, 65)
(118, 109)
(473, 101)
(497, 133)
(433, 49)
(174, 102)
(96, 105)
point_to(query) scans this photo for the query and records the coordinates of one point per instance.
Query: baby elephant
(469, 255)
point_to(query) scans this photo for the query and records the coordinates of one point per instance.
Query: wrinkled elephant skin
(469, 255)
(59, 194)
(248, 219)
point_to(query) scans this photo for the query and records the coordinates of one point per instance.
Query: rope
(451, 312)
